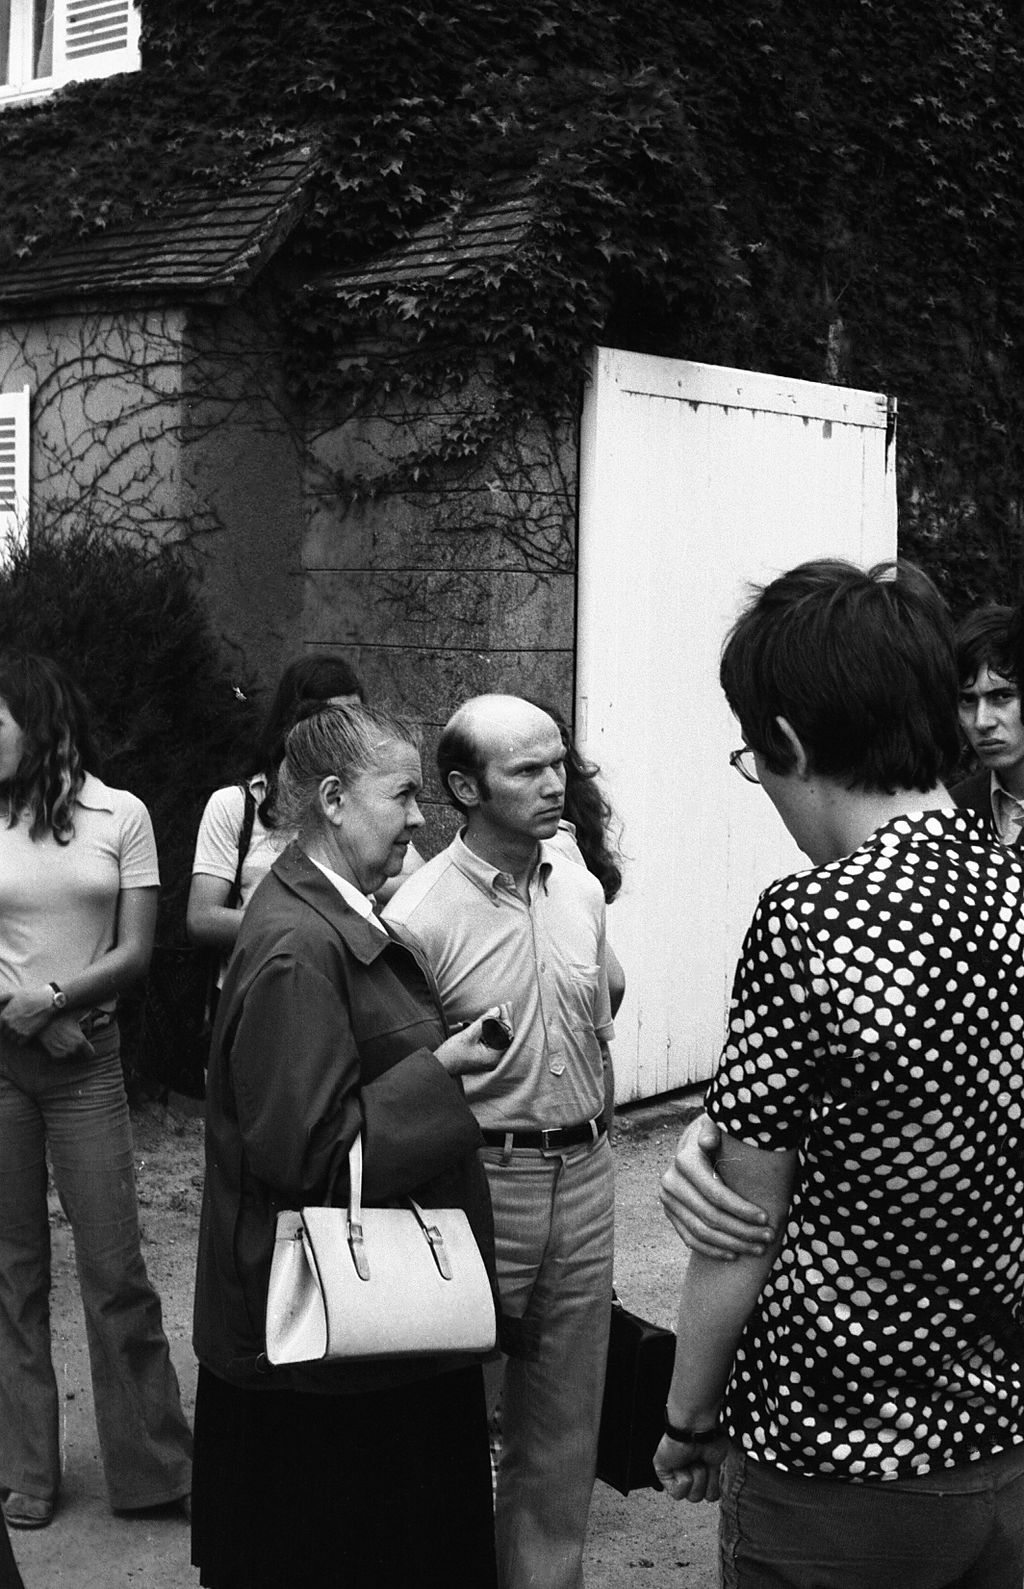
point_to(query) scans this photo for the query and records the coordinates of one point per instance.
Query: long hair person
(78, 895)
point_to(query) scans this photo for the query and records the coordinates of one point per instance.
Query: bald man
(505, 918)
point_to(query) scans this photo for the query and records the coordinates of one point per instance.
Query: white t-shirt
(219, 831)
(58, 902)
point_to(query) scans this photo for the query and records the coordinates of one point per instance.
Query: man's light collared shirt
(1007, 813)
(543, 957)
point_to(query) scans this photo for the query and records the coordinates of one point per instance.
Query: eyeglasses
(743, 761)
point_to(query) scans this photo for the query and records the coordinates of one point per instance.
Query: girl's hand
(63, 1038)
(26, 1013)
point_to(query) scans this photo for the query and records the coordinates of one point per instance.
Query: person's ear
(332, 798)
(796, 744)
(464, 787)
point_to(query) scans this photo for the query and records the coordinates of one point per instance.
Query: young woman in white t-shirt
(78, 894)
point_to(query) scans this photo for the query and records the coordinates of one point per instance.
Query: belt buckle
(546, 1146)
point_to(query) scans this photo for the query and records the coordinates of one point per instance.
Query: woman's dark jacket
(324, 1026)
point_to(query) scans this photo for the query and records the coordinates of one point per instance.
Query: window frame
(72, 20)
(15, 469)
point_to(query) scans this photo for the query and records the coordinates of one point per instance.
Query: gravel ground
(642, 1540)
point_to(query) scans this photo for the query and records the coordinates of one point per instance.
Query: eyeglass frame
(736, 761)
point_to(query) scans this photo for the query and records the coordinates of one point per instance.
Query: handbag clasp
(357, 1247)
(439, 1250)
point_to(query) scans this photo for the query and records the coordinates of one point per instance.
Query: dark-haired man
(505, 918)
(990, 717)
(862, 1376)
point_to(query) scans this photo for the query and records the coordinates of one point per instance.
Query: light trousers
(554, 1227)
(80, 1110)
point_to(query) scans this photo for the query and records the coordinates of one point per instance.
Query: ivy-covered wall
(827, 191)
(106, 415)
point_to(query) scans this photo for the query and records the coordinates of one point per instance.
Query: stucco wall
(175, 423)
(105, 415)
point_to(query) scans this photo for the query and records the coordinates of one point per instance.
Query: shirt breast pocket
(584, 978)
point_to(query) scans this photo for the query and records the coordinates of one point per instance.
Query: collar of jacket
(296, 872)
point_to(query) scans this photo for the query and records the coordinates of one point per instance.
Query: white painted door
(695, 482)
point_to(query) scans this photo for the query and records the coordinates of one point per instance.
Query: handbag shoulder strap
(244, 841)
(357, 1246)
(355, 1180)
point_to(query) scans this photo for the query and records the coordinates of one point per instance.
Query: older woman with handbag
(372, 1472)
(78, 892)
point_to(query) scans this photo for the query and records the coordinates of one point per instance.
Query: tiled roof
(446, 248)
(204, 244)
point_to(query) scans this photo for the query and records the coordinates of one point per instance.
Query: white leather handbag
(361, 1283)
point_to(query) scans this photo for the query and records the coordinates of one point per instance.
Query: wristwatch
(690, 1437)
(60, 998)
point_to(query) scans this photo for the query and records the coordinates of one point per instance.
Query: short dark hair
(982, 640)
(862, 666)
(457, 751)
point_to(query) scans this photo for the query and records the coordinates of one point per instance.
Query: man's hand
(688, 1472)
(702, 1210)
(463, 1054)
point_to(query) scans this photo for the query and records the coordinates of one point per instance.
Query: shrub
(172, 718)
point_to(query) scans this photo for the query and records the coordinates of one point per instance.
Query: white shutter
(94, 38)
(14, 468)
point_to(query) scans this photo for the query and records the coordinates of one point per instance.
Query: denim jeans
(554, 1229)
(784, 1531)
(79, 1109)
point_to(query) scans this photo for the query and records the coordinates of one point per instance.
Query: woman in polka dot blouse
(860, 1369)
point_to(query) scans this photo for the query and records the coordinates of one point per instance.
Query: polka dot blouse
(877, 1025)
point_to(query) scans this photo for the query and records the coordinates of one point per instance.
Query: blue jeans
(80, 1110)
(784, 1531)
(554, 1230)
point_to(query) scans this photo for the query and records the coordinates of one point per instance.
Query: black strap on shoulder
(244, 840)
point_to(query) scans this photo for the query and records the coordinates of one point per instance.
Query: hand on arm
(715, 1302)
(702, 1209)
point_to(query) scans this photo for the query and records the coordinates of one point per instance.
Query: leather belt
(551, 1141)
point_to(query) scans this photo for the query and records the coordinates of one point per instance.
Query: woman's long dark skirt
(294, 1491)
